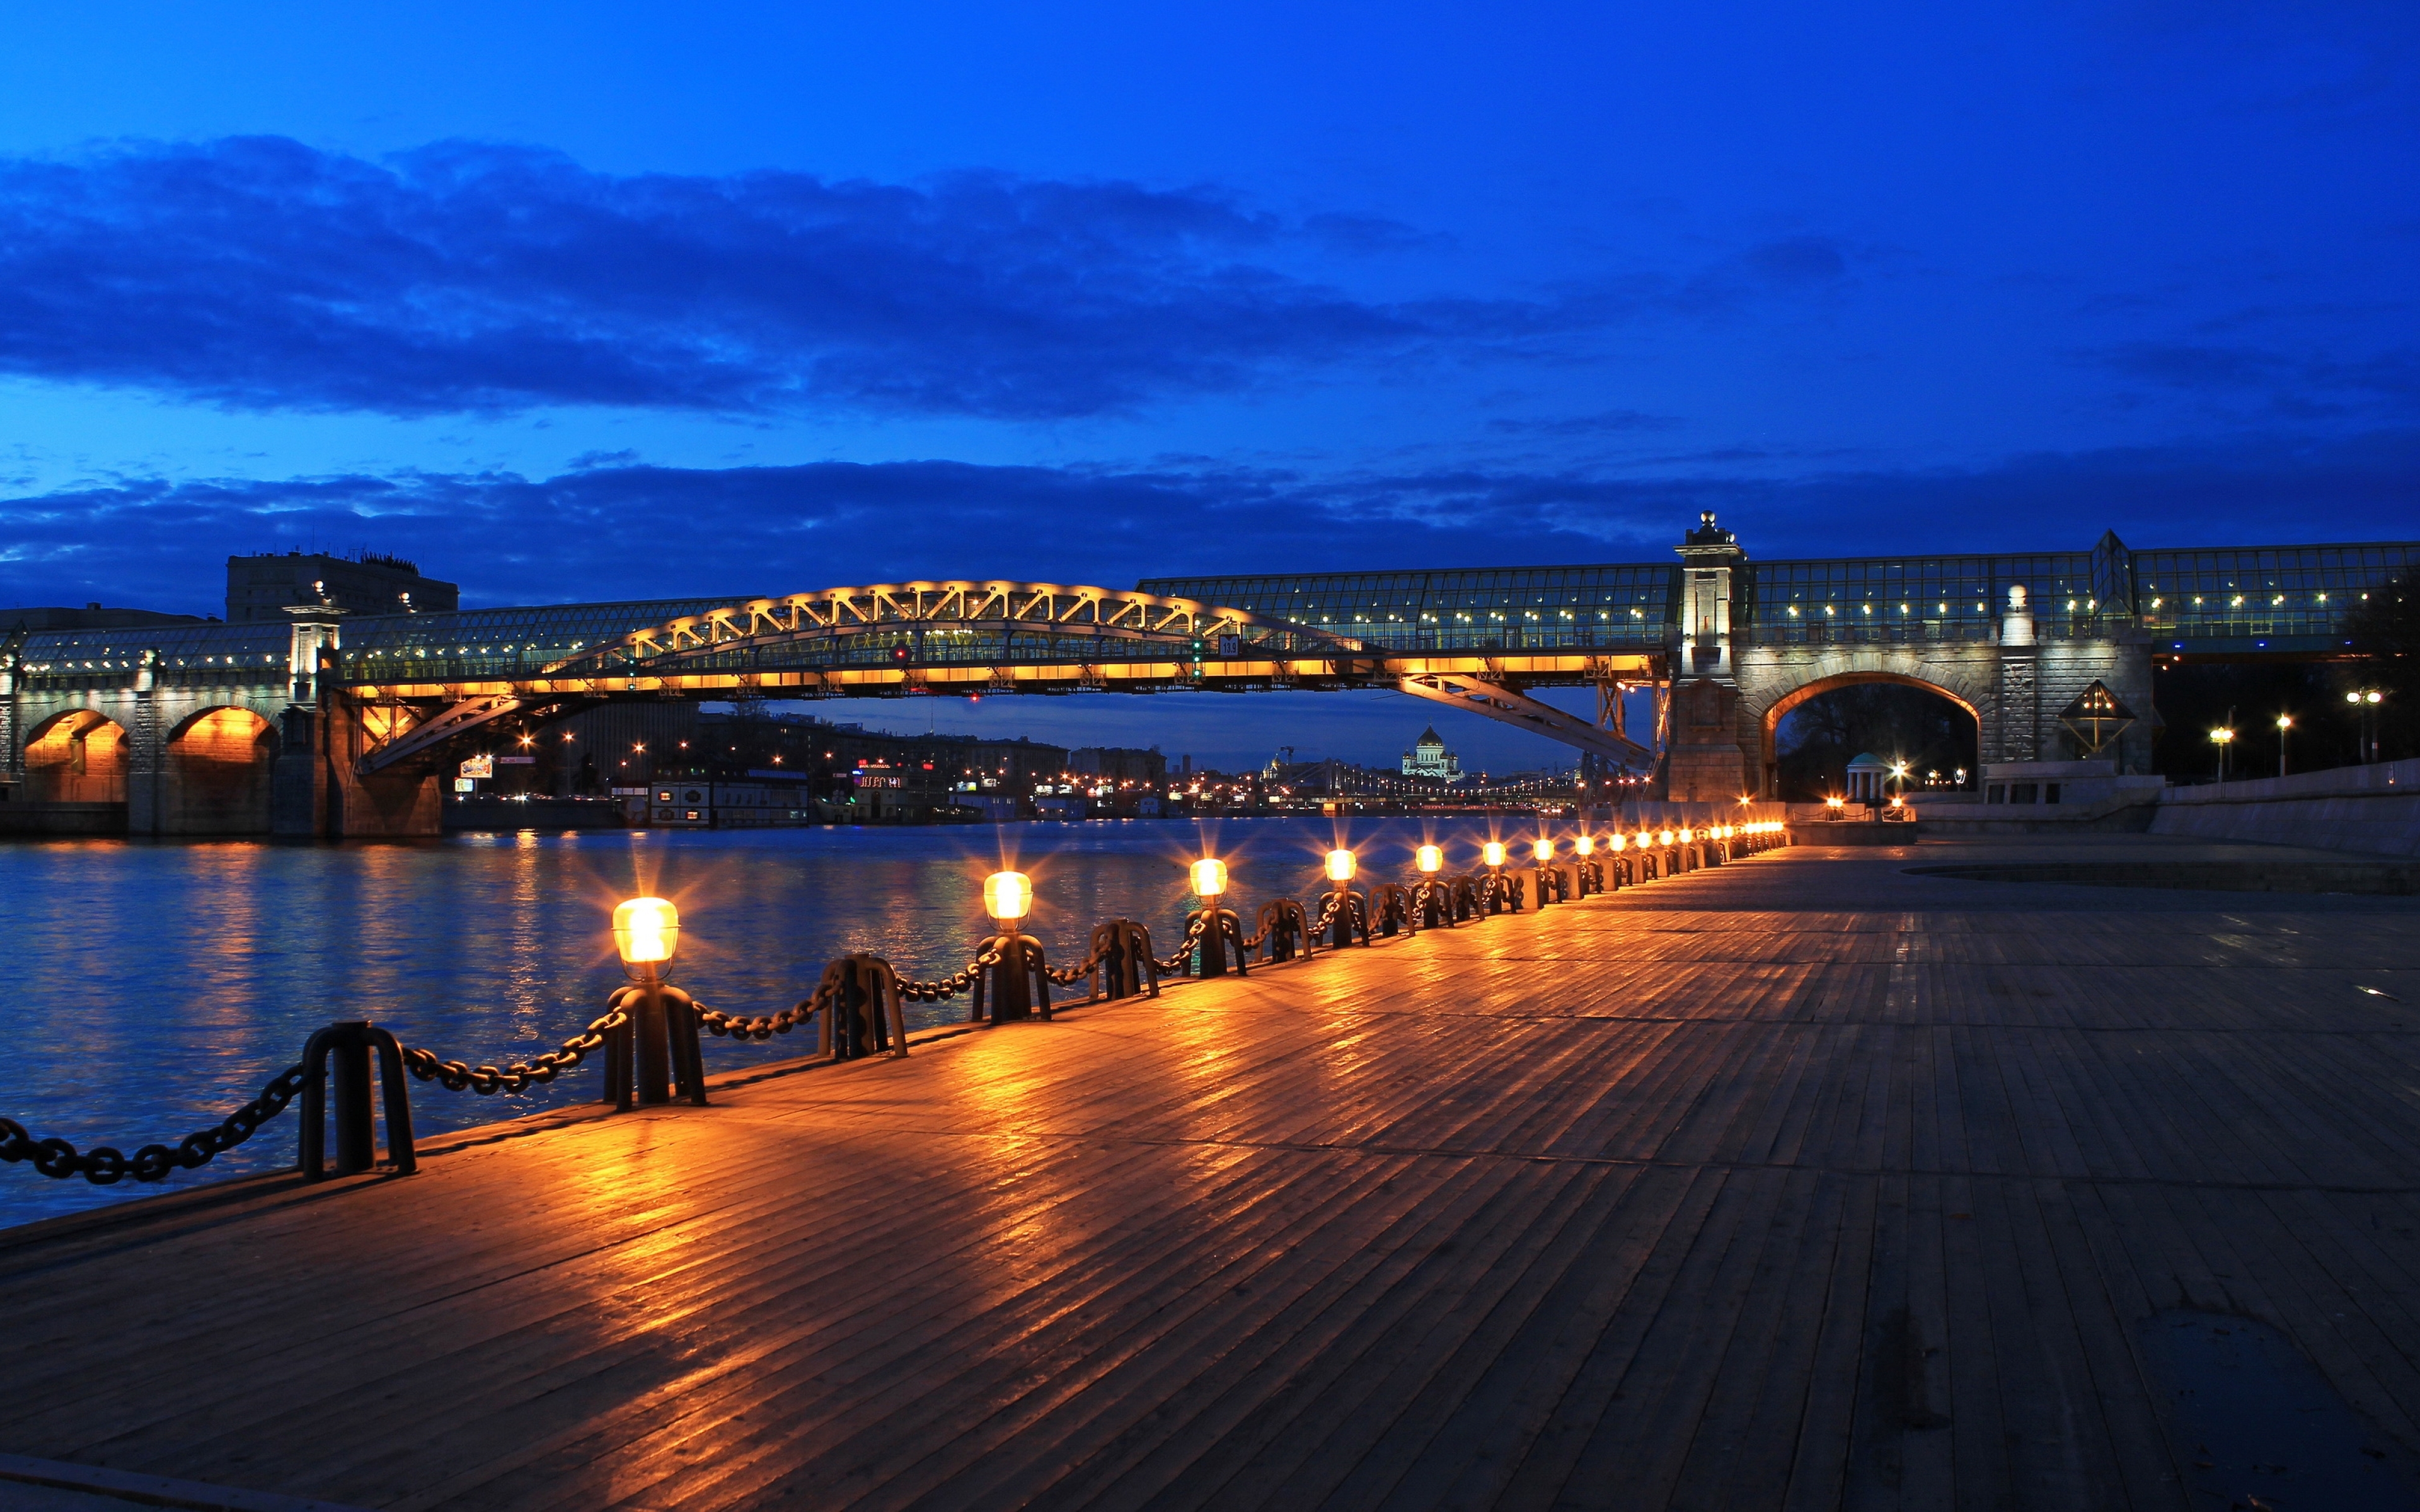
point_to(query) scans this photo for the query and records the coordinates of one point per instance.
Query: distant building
(1430, 759)
(366, 582)
(90, 617)
(1119, 763)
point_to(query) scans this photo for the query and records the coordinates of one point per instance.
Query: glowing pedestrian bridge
(1726, 645)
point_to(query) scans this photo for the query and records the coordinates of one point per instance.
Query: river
(159, 984)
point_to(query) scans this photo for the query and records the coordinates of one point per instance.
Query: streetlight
(2365, 704)
(1428, 896)
(2222, 737)
(1018, 974)
(1209, 875)
(1345, 907)
(1541, 852)
(2284, 722)
(658, 1047)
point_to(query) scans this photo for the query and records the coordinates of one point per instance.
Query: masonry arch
(1769, 723)
(217, 772)
(76, 757)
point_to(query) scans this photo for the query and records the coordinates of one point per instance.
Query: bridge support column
(2019, 694)
(295, 809)
(146, 762)
(12, 753)
(1708, 763)
(317, 794)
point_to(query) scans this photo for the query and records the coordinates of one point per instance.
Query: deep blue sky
(571, 303)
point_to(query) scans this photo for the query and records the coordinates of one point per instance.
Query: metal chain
(1193, 928)
(951, 985)
(456, 1076)
(763, 1026)
(104, 1166)
(1069, 976)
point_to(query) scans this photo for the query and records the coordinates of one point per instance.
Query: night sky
(606, 301)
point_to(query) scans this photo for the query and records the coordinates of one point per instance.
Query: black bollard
(340, 1054)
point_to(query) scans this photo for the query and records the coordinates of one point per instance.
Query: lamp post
(2365, 704)
(1428, 895)
(1209, 878)
(1541, 853)
(1492, 856)
(2284, 722)
(1017, 970)
(1345, 907)
(2222, 737)
(661, 1036)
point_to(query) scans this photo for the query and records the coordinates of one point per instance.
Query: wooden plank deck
(1799, 1183)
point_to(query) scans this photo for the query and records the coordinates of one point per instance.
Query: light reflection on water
(158, 985)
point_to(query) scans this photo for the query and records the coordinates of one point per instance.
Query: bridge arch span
(217, 770)
(76, 756)
(1773, 682)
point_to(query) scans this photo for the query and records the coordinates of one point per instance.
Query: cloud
(2292, 386)
(261, 273)
(1603, 422)
(637, 532)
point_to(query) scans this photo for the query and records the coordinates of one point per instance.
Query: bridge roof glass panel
(2272, 598)
(1616, 606)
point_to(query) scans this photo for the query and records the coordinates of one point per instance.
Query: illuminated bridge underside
(961, 637)
(468, 706)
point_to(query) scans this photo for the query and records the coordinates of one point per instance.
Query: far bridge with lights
(335, 727)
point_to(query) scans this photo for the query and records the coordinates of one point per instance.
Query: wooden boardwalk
(1800, 1183)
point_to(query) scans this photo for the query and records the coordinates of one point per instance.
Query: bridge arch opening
(76, 757)
(1811, 733)
(219, 766)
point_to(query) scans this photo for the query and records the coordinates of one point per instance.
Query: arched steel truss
(988, 612)
(967, 637)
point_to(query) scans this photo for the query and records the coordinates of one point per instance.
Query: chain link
(763, 1026)
(951, 985)
(105, 1166)
(1193, 929)
(457, 1076)
(1069, 976)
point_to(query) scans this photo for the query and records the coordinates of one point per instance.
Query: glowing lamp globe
(1492, 852)
(647, 935)
(1209, 877)
(1618, 843)
(1339, 866)
(1585, 845)
(1664, 837)
(1008, 897)
(1430, 859)
(1544, 849)
(1684, 837)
